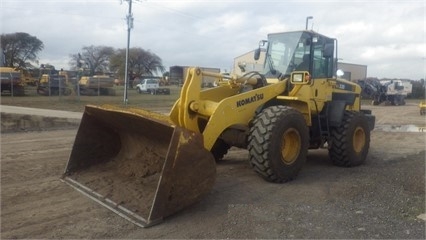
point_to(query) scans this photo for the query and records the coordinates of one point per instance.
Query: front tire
(350, 141)
(278, 143)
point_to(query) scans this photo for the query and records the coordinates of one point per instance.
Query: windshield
(299, 51)
(285, 52)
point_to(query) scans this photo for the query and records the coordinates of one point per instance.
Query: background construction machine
(389, 92)
(96, 85)
(52, 82)
(422, 106)
(29, 77)
(12, 82)
(146, 166)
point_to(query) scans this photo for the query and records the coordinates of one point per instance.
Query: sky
(387, 36)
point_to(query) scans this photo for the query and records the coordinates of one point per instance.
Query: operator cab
(298, 51)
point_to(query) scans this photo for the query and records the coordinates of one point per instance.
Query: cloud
(223, 23)
(388, 36)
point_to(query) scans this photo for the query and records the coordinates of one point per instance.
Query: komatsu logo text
(248, 100)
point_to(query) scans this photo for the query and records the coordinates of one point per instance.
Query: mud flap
(138, 164)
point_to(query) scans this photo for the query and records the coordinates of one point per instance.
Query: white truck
(151, 85)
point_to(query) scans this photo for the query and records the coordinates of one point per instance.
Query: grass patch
(76, 103)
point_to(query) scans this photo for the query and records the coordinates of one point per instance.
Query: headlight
(298, 77)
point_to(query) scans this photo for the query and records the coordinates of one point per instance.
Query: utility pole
(129, 19)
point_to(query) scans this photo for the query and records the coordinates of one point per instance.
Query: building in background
(353, 72)
(246, 63)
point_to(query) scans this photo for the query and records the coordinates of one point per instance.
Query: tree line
(21, 50)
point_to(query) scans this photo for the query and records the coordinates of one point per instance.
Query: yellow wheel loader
(146, 166)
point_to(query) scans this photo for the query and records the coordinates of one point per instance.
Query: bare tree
(20, 49)
(93, 58)
(141, 62)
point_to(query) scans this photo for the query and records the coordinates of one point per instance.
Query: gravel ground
(384, 198)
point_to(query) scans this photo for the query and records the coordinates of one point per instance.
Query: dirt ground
(384, 198)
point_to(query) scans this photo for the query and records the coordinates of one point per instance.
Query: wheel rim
(358, 139)
(290, 146)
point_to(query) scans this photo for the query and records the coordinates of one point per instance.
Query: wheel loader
(146, 166)
(96, 85)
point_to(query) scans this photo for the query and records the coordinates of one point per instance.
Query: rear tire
(350, 141)
(278, 143)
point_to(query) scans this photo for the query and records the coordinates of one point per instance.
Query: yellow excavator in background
(146, 166)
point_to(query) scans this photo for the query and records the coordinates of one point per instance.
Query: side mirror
(328, 50)
(262, 44)
(257, 54)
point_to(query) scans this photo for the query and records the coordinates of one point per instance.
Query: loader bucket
(137, 164)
